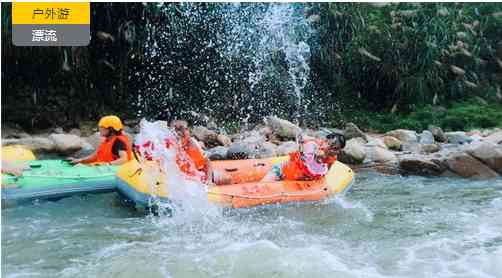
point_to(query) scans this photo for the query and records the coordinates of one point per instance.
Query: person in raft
(190, 156)
(114, 148)
(311, 161)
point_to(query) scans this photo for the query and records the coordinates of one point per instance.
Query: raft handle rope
(282, 194)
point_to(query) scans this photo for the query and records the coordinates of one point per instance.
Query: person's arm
(121, 160)
(88, 159)
(13, 169)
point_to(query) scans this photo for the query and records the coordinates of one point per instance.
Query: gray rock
(392, 143)
(420, 165)
(58, 130)
(94, 140)
(217, 153)
(282, 128)
(426, 137)
(286, 148)
(75, 131)
(240, 150)
(430, 148)
(203, 134)
(265, 150)
(67, 143)
(489, 153)
(379, 154)
(467, 166)
(352, 131)
(224, 140)
(33, 143)
(438, 133)
(495, 137)
(354, 151)
(458, 137)
(404, 135)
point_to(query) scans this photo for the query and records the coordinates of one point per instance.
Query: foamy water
(386, 227)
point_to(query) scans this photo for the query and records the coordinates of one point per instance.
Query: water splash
(252, 58)
(187, 196)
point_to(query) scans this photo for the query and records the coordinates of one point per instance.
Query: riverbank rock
(489, 153)
(265, 150)
(458, 137)
(426, 137)
(35, 143)
(205, 135)
(354, 151)
(240, 150)
(10, 132)
(495, 138)
(217, 153)
(438, 133)
(352, 131)
(392, 143)
(404, 135)
(68, 143)
(420, 165)
(223, 140)
(282, 128)
(430, 148)
(467, 166)
(286, 148)
(87, 128)
(375, 142)
(379, 154)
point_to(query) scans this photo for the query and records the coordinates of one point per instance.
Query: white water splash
(187, 196)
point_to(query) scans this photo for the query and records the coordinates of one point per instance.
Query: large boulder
(392, 143)
(13, 132)
(404, 135)
(352, 131)
(420, 165)
(379, 154)
(205, 135)
(495, 137)
(240, 150)
(224, 140)
(217, 153)
(282, 128)
(426, 137)
(265, 150)
(467, 166)
(375, 142)
(489, 153)
(438, 134)
(458, 137)
(286, 148)
(354, 152)
(35, 143)
(68, 143)
(430, 148)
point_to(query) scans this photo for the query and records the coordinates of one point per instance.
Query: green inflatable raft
(53, 179)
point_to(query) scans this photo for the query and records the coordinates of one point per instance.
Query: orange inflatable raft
(244, 188)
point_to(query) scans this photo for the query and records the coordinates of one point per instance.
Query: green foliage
(463, 115)
(408, 54)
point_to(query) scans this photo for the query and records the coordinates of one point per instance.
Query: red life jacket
(297, 169)
(104, 152)
(191, 160)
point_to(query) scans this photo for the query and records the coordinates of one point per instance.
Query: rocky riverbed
(475, 154)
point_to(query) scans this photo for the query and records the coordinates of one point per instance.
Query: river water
(388, 226)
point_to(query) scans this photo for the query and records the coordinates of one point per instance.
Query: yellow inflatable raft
(246, 190)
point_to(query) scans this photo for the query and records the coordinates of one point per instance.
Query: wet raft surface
(47, 179)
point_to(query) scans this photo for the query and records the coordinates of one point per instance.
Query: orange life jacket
(104, 152)
(296, 169)
(190, 159)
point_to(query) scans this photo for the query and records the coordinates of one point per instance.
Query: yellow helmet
(111, 121)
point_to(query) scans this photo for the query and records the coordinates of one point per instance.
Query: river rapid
(387, 226)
